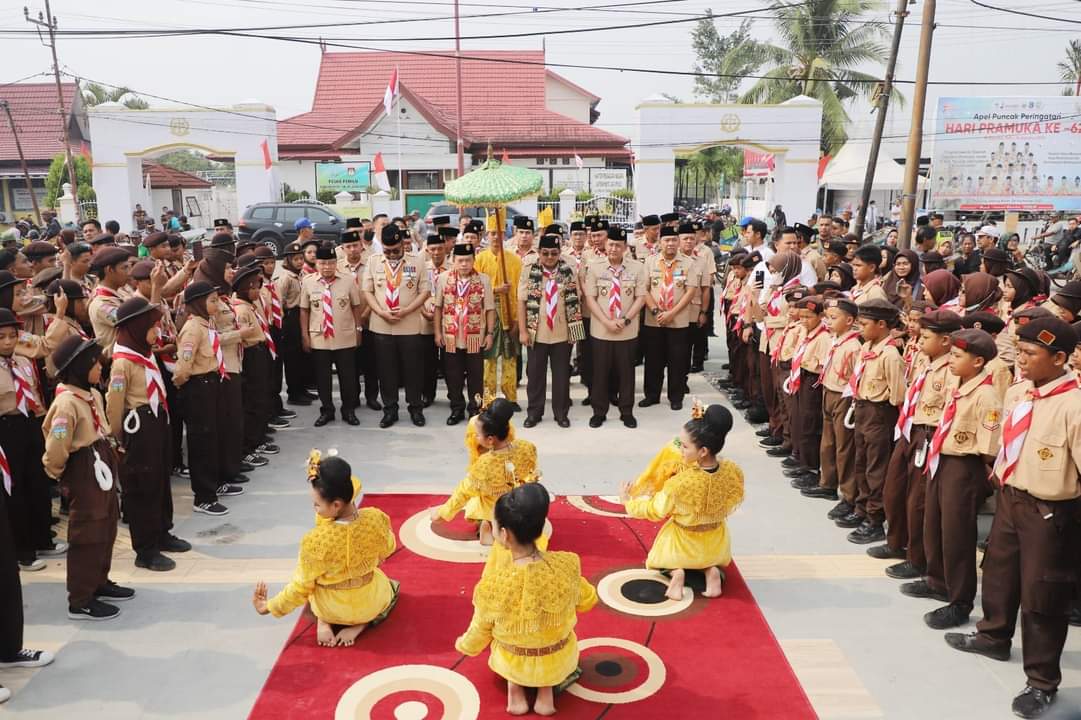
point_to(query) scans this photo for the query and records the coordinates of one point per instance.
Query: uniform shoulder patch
(117, 383)
(59, 429)
(187, 351)
(992, 419)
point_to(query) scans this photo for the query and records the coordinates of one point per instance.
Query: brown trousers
(874, 443)
(1031, 564)
(144, 480)
(904, 497)
(769, 395)
(807, 421)
(837, 449)
(786, 404)
(92, 521)
(752, 390)
(954, 496)
(558, 357)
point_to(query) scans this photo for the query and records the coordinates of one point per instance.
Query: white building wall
(565, 100)
(298, 175)
(422, 146)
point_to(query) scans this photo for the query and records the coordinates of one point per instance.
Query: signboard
(352, 177)
(999, 154)
(577, 180)
(606, 180)
(20, 198)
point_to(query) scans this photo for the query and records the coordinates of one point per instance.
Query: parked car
(272, 223)
(478, 213)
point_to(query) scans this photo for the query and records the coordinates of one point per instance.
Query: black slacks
(295, 360)
(29, 507)
(200, 396)
(176, 418)
(585, 356)
(11, 590)
(401, 363)
(257, 399)
(464, 372)
(541, 357)
(666, 349)
(144, 481)
(613, 356)
(431, 353)
(231, 419)
(370, 366)
(343, 362)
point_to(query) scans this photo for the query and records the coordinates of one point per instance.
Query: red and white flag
(391, 92)
(578, 161)
(381, 179)
(268, 162)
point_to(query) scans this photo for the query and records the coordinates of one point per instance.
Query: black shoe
(1075, 616)
(629, 421)
(94, 610)
(676, 404)
(695, 369)
(588, 400)
(427, 402)
(277, 423)
(563, 422)
(389, 418)
(417, 417)
(795, 472)
(757, 415)
(374, 405)
(211, 508)
(256, 460)
(904, 571)
(227, 490)
(516, 407)
(779, 451)
(531, 422)
(350, 418)
(157, 563)
(974, 643)
(851, 520)
(774, 441)
(455, 418)
(323, 419)
(267, 448)
(1032, 702)
(113, 592)
(820, 493)
(299, 401)
(791, 462)
(840, 510)
(741, 404)
(172, 544)
(885, 552)
(867, 533)
(648, 402)
(245, 467)
(920, 589)
(805, 482)
(286, 414)
(946, 617)
(312, 393)
(596, 421)
(763, 433)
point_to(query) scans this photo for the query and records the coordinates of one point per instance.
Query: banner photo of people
(998, 154)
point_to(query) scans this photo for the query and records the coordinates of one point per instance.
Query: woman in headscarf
(1020, 290)
(902, 283)
(941, 288)
(979, 291)
(842, 275)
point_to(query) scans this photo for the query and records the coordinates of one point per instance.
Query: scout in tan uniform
(200, 375)
(330, 314)
(701, 325)
(992, 324)
(878, 388)
(256, 361)
(297, 364)
(770, 311)
(549, 323)
(395, 288)
(804, 386)
(435, 265)
(808, 252)
(781, 367)
(113, 266)
(904, 493)
(651, 238)
(78, 454)
(674, 284)
(138, 411)
(963, 446)
(464, 327)
(70, 316)
(865, 268)
(1034, 550)
(352, 262)
(615, 290)
(77, 267)
(25, 485)
(1065, 304)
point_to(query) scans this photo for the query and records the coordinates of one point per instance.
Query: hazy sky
(971, 44)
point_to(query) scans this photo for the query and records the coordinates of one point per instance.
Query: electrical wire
(1023, 13)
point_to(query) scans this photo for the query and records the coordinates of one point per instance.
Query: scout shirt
(707, 268)
(835, 377)
(287, 284)
(813, 258)
(791, 337)
(487, 304)
(883, 377)
(251, 330)
(489, 263)
(868, 291)
(195, 352)
(772, 325)
(1006, 341)
(103, 306)
(412, 283)
(229, 336)
(598, 285)
(25, 368)
(559, 332)
(976, 428)
(428, 326)
(937, 387)
(57, 330)
(1050, 457)
(71, 425)
(345, 295)
(685, 278)
(814, 355)
(1001, 375)
(32, 313)
(127, 391)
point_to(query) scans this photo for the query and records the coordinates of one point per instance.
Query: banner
(999, 154)
(352, 177)
(757, 164)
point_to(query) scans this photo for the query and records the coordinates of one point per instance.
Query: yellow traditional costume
(695, 504)
(664, 465)
(492, 474)
(503, 270)
(527, 612)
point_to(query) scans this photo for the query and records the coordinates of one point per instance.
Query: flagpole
(398, 121)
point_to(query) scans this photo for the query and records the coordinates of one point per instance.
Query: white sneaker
(5, 694)
(38, 564)
(29, 659)
(58, 548)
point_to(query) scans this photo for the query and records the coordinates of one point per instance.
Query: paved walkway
(190, 645)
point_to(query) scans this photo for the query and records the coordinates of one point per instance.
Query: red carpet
(651, 659)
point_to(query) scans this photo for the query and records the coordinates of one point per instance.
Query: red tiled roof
(33, 108)
(503, 98)
(163, 176)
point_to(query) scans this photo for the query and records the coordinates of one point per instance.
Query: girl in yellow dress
(526, 609)
(338, 571)
(505, 465)
(694, 503)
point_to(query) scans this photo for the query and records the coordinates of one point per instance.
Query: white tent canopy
(847, 169)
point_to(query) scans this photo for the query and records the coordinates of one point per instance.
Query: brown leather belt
(705, 527)
(535, 652)
(351, 583)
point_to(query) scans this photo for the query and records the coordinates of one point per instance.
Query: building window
(423, 179)
(540, 161)
(566, 161)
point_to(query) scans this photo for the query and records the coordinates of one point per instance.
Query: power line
(1025, 14)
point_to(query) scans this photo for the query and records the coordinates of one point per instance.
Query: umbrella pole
(505, 298)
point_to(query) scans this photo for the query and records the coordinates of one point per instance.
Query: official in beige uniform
(396, 287)
(674, 286)
(1034, 550)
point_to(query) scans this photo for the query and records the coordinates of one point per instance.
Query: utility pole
(48, 22)
(22, 159)
(915, 133)
(458, 70)
(882, 103)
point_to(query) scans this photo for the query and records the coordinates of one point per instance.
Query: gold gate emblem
(730, 122)
(179, 127)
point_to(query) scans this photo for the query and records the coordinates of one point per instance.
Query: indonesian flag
(267, 161)
(578, 161)
(381, 179)
(391, 92)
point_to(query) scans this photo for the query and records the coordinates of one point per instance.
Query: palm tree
(1069, 70)
(819, 45)
(95, 94)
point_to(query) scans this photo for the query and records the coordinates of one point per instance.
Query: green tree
(818, 44)
(723, 60)
(715, 164)
(58, 175)
(1069, 70)
(95, 94)
(187, 161)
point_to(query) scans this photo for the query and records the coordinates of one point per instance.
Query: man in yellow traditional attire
(503, 269)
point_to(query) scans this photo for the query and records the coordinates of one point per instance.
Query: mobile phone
(760, 277)
(197, 249)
